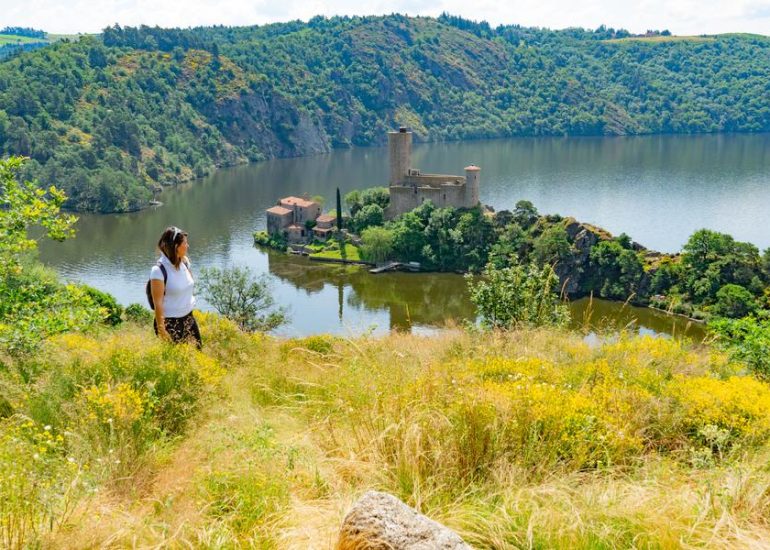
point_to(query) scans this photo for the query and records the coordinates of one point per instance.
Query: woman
(172, 292)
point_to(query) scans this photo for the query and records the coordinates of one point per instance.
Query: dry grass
(302, 427)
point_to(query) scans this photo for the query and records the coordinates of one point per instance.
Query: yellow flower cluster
(740, 404)
(114, 403)
(625, 397)
(209, 369)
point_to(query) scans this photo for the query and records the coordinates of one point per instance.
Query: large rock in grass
(379, 521)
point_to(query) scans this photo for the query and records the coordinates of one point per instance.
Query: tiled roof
(279, 210)
(296, 201)
(325, 218)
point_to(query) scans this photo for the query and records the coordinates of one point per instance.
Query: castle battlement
(409, 187)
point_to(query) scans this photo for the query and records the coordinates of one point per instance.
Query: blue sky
(680, 16)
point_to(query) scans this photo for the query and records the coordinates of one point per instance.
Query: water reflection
(439, 299)
(429, 300)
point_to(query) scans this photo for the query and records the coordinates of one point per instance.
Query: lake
(657, 189)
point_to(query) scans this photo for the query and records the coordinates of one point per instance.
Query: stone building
(409, 187)
(279, 219)
(303, 209)
(324, 226)
(290, 216)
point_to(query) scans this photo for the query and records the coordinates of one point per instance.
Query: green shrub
(107, 302)
(138, 314)
(746, 339)
(734, 301)
(517, 295)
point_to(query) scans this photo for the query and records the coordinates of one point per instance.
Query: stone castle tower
(409, 188)
(400, 150)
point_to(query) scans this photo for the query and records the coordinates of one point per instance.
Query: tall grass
(525, 439)
(83, 414)
(535, 438)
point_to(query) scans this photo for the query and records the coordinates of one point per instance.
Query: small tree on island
(242, 297)
(339, 211)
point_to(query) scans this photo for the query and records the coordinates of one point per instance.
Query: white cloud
(680, 16)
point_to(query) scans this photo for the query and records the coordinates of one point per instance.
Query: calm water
(657, 189)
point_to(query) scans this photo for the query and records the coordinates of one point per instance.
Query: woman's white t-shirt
(178, 300)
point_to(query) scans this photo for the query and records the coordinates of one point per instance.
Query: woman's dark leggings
(182, 329)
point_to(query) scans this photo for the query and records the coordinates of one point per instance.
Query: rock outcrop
(269, 123)
(379, 521)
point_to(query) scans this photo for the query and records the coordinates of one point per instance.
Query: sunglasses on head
(176, 231)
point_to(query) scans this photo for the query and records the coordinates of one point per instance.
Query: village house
(290, 218)
(324, 226)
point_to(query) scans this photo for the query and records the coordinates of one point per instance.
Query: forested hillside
(110, 118)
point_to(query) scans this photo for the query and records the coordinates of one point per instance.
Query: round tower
(472, 177)
(400, 145)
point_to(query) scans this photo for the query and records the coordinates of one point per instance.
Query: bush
(138, 314)
(262, 238)
(734, 301)
(86, 410)
(517, 295)
(107, 302)
(238, 295)
(746, 339)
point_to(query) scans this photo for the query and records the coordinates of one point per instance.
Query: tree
(377, 244)
(442, 240)
(23, 206)
(368, 216)
(33, 304)
(734, 301)
(616, 271)
(339, 211)
(712, 260)
(517, 296)
(477, 236)
(552, 246)
(525, 214)
(238, 295)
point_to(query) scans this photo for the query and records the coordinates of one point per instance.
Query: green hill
(110, 118)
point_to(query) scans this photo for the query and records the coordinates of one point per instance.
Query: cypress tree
(339, 211)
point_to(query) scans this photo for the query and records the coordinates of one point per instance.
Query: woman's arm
(158, 290)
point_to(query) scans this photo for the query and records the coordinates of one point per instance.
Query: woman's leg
(183, 329)
(192, 334)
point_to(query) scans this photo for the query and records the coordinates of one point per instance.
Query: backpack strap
(165, 275)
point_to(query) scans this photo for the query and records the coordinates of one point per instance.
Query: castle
(409, 188)
(300, 220)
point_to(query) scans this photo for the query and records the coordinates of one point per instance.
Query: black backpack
(148, 290)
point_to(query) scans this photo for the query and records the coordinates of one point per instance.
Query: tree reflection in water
(441, 299)
(426, 299)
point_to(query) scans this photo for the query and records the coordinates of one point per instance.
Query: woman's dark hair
(169, 240)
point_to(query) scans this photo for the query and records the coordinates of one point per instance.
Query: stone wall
(406, 198)
(432, 179)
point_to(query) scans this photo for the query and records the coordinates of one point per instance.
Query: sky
(682, 17)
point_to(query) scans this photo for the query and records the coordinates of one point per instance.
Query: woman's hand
(163, 333)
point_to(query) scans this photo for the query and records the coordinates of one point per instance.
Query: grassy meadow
(17, 39)
(526, 439)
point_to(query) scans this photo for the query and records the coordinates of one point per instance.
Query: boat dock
(396, 266)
